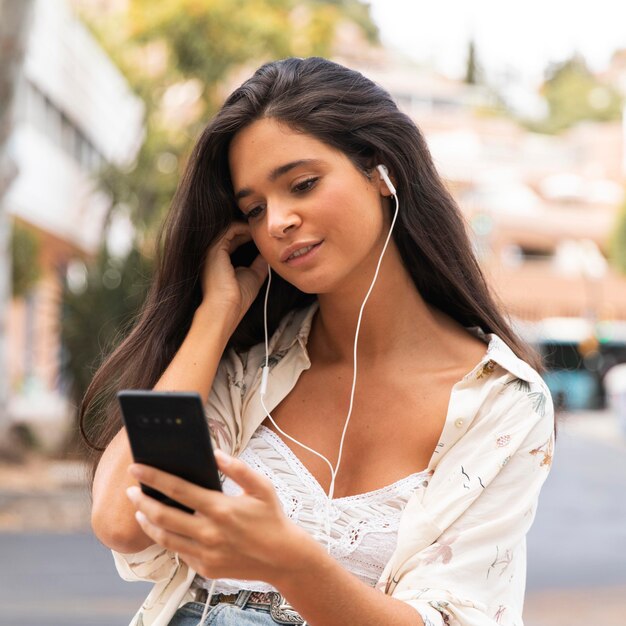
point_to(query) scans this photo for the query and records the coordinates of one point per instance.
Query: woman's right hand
(224, 287)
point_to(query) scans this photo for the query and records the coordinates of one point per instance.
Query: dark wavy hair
(349, 112)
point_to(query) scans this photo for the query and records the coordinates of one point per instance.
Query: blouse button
(459, 423)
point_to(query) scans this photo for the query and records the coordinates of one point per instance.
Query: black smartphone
(168, 430)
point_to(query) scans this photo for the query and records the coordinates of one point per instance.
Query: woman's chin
(309, 284)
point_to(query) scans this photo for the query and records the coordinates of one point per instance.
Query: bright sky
(511, 36)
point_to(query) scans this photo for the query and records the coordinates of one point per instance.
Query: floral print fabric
(460, 558)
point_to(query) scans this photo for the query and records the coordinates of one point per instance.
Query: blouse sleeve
(154, 564)
(223, 412)
(474, 573)
(224, 405)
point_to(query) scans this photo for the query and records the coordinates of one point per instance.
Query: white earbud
(384, 174)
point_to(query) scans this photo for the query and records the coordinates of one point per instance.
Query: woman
(421, 517)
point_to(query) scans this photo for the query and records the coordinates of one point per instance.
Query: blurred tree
(574, 94)
(473, 72)
(25, 267)
(98, 311)
(617, 245)
(177, 55)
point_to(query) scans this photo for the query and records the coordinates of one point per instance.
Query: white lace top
(363, 527)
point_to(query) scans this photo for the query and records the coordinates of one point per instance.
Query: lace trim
(363, 527)
(302, 472)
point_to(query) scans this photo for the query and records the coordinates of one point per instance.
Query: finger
(166, 538)
(250, 481)
(235, 235)
(260, 267)
(178, 489)
(230, 243)
(237, 241)
(251, 279)
(167, 517)
(237, 229)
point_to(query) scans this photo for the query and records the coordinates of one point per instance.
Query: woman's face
(315, 218)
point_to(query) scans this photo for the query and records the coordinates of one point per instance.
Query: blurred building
(541, 207)
(74, 113)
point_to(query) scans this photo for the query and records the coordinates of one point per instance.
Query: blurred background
(523, 106)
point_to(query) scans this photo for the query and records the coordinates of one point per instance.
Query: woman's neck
(395, 320)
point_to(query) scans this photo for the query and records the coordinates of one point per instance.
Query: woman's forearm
(192, 369)
(194, 365)
(112, 516)
(325, 594)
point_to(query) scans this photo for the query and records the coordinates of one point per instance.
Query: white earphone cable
(356, 338)
(265, 374)
(207, 604)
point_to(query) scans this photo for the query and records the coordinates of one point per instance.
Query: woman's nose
(281, 220)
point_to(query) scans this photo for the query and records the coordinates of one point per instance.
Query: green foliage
(574, 94)
(147, 190)
(618, 242)
(25, 267)
(96, 315)
(206, 39)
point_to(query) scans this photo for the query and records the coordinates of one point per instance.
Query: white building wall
(75, 111)
(53, 193)
(68, 65)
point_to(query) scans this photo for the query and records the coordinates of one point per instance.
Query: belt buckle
(281, 611)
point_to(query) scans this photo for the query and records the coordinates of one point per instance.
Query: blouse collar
(296, 326)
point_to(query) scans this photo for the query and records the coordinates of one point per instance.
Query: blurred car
(577, 355)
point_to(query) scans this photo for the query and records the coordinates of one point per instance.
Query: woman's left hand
(246, 536)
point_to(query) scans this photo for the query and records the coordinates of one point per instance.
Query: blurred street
(577, 547)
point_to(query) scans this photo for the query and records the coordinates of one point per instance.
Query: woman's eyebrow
(277, 172)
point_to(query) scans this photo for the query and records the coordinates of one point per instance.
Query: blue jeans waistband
(246, 607)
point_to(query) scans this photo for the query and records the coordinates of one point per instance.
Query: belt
(280, 610)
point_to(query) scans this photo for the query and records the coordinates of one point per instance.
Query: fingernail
(223, 458)
(133, 493)
(140, 517)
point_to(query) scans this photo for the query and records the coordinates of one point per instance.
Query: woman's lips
(304, 258)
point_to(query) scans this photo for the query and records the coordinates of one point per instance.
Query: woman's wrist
(219, 317)
(301, 555)
(325, 593)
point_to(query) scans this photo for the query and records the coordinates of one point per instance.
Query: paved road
(578, 543)
(62, 580)
(579, 535)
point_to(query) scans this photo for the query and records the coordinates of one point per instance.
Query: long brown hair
(349, 112)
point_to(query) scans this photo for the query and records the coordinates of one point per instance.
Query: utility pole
(15, 18)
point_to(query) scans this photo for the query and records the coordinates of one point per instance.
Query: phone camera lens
(157, 420)
(144, 420)
(169, 420)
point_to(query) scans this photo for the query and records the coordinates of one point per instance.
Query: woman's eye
(305, 185)
(254, 212)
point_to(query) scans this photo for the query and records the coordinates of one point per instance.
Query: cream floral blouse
(460, 558)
